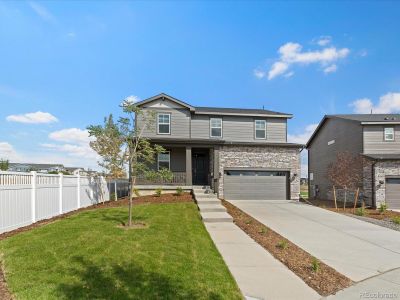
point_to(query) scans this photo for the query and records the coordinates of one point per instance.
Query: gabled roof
(218, 110)
(363, 119)
(165, 96)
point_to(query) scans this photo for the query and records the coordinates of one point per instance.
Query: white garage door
(255, 185)
(393, 193)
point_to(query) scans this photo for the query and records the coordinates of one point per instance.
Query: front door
(200, 168)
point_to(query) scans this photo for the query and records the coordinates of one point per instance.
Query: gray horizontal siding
(180, 124)
(239, 129)
(347, 136)
(374, 140)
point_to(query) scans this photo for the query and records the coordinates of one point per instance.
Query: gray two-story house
(376, 137)
(239, 153)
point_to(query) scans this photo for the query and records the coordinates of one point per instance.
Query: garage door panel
(393, 193)
(255, 187)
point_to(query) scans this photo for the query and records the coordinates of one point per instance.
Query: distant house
(43, 168)
(374, 136)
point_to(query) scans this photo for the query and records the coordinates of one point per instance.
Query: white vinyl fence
(26, 198)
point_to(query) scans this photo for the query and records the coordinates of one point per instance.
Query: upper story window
(260, 127)
(164, 123)
(164, 160)
(216, 127)
(389, 134)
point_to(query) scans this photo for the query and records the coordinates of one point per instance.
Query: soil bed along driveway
(324, 279)
(354, 248)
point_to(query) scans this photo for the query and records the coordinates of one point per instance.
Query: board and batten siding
(374, 142)
(342, 135)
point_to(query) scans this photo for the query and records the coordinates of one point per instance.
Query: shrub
(315, 264)
(179, 191)
(112, 196)
(262, 230)
(248, 221)
(136, 192)
(361, 210)
(382, 207)
(158, 192)
(396, 220)
(282, 245)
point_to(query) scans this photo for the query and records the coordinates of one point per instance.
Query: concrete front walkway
(355, 248)
(258, 274)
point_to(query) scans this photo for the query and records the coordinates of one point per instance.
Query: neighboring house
(240, 153)
(374, 136)
(41, 168)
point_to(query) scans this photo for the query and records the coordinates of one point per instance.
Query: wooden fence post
(33, 197)
(60, 193)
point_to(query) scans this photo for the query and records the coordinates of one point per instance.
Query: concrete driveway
(355, 248)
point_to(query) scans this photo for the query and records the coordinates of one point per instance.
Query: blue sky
(75, 61)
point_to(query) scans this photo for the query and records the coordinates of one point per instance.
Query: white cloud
(41, 11)
(132, 99)
(278, 68)
(71, 34)
(33, 118)
(324, 40)
(259, 74)
(388, 103)
(71, 135)
(291, 54)
(8, 152)
(302, 137)
(330, 69)
(73, 142)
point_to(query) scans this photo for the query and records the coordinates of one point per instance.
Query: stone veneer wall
(382, 169)
(261, 157)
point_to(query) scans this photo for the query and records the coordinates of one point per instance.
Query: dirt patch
(136, 225)
(165, 198)
(4, 292)
(369, 212)
(326, 281)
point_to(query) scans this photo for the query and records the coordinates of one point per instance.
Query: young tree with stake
(130, 147)
(346, 172)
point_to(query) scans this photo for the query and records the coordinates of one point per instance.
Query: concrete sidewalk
(384, 286)
(258, 274)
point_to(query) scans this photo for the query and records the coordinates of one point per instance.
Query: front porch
(190, 165)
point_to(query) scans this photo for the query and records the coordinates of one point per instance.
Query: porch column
(188, 165)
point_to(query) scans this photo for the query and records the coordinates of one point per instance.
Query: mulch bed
(164, 198)
(369, 212)
(326, 281)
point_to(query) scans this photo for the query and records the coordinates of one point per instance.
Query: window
(164, 160)
(260, 127)
(216, 127)
(164, 123)
(389, 134)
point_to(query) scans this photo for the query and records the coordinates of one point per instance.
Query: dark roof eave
(383, 156)
(223, 142)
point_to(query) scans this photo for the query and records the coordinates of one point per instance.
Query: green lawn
(86, 256)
